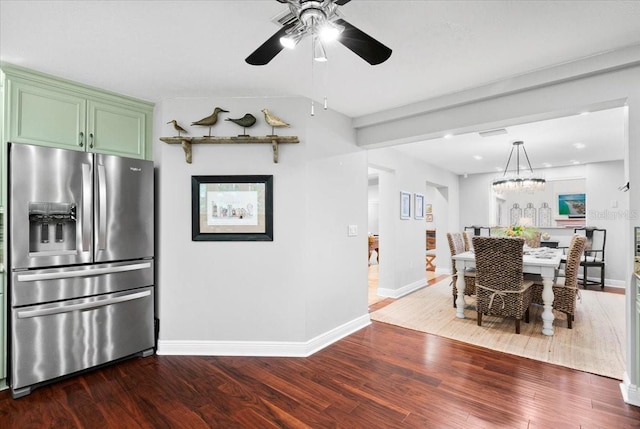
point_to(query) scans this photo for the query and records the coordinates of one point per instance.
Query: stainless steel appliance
(81, 282)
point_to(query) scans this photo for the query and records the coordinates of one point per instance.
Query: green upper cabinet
(48, 111)
(116, 130)
(39, 115)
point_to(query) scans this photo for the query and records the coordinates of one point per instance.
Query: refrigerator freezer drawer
(53, 340)
(56, 284)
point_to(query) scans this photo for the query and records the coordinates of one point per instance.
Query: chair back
(576, 249)
(467, 237)
(476, 230)
(456, 245)
(499, 262)
(596, 240)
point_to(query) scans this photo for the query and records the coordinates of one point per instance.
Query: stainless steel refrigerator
(81, 260)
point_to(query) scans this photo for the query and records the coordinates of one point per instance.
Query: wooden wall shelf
(186, 142)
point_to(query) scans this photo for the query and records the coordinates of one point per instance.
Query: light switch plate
(353, 230)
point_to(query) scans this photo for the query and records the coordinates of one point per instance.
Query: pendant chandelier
(525, 181)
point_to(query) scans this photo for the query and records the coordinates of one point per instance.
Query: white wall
(600, 181)
(402, 242)
(611, 79)
(603, 181)
(475, 191)
(374, 206)
(286, 297)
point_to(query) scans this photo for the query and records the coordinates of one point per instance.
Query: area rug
(594, 345)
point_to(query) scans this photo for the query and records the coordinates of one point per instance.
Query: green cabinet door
(49, 111)
(116, 130)
(44, 116)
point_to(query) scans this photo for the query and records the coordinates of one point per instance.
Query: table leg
(547, 299)
(460, 286)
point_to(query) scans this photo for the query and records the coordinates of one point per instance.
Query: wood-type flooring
(382, 376)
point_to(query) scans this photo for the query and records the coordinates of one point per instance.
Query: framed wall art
(405, 205)
(232, 208)
(418, 206)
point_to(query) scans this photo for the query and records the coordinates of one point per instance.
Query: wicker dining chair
(456, 245)
(500, 288)
(467, 237)
(566, 292)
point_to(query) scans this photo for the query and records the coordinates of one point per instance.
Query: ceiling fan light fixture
(290, 41)
(309, 17)
(319, 53)
(330, 31)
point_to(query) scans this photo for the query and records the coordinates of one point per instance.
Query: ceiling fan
(320, 20)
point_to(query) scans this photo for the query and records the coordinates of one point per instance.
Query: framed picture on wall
(232, 208)
(428, 209)
(405, 205)
(429, 218)
(418, 206)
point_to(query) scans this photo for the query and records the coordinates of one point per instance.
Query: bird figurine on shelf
(245, 122)
(177, 127)
(210, 120)
(273, 120)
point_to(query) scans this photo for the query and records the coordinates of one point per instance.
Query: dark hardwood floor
(382, 376)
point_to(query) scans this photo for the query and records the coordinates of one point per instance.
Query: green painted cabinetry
(47, 111)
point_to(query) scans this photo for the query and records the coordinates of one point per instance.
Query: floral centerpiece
(530, 234)
(516, 231)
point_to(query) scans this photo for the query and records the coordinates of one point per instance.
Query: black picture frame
(232, 208)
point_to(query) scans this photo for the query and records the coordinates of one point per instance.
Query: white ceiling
(162, 49)
(579, 139)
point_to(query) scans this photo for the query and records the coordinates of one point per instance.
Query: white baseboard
(608, 282)
(443, 271)
(262, 348)
(404, 290)
(630, 392)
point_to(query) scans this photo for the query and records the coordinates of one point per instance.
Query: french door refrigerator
(81, 260)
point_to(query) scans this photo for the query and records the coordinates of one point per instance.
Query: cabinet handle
(81, 139)
(91, 140)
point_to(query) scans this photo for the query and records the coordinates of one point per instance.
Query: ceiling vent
(284, 18)
(495, 132)
(287, 17)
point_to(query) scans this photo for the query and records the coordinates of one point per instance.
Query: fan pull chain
(325, 83)
(313, 111)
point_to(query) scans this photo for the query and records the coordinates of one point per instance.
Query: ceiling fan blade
(365, 46)
(269, 49)
(340, 2)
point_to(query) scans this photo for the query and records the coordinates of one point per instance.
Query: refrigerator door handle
(24, 314)
(86, 207)
(82, 273)
(102, 206)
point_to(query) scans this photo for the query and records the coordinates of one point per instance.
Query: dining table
(544, 262)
